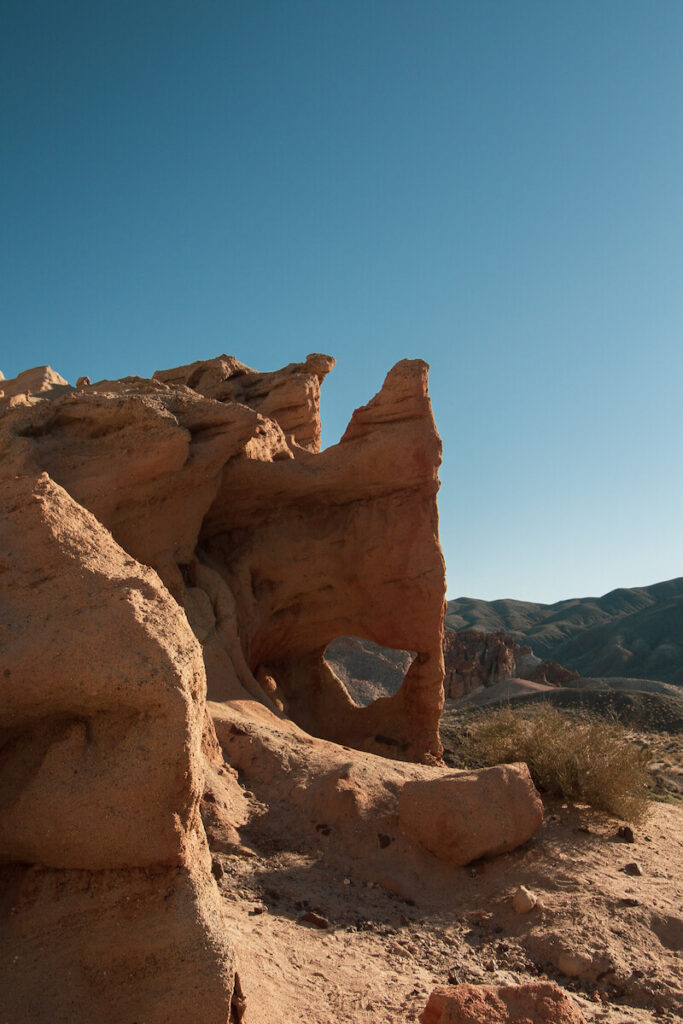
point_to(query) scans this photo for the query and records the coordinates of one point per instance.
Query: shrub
(587, 760)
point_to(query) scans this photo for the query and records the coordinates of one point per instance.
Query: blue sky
(492, 186)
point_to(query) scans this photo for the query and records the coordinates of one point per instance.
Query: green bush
(585, 760)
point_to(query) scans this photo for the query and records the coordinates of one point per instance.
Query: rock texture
(164, 537)
(273, 549)
(540, 1003)
(102, 705)
(461, 817)
(404, 826)
(74, 697)
(476, 659)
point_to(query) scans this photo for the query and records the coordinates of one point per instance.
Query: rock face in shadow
(474, 659)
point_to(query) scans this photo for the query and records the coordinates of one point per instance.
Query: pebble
(523, 901)
(571, 965)
(315, 919)
(397, 950)
(632, 868)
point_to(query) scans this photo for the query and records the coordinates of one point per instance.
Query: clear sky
(496, 187)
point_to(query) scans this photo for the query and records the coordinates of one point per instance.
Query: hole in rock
(367, 670)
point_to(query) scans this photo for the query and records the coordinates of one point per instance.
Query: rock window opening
(367, 670)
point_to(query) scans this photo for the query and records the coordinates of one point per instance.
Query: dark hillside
(636, 632)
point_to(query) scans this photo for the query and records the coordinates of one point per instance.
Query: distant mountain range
(636, 633)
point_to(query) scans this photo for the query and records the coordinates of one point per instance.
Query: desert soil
(611, 939)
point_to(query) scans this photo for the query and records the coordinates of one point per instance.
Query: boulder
(350, 804)
(523, 900)
(536, 1003)
(467, 815)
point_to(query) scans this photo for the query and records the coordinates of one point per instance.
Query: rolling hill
(636, 633)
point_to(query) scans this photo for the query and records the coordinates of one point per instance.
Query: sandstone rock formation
(476, 659)
(540, 1003)
(160, 537)
(404, 826)
(473, 659)
(272, 549)
(113, 914)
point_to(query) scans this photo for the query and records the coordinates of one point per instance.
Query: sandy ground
(612, 940)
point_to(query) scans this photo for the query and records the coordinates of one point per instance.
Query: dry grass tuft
(586, 760)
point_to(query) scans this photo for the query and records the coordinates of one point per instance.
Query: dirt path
(619, 935)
